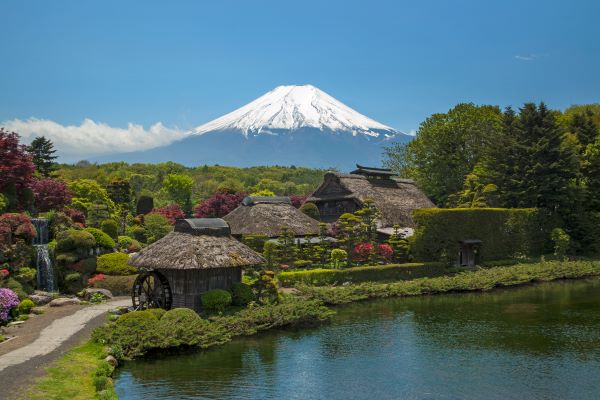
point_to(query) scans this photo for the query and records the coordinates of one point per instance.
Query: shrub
(385, 251)
(110, 227)
(311, 210)
(135, 332)
(25, 306)
(73, 277)
(156, 226)
(339, 258)
(73, 240)
(145, 204)
(129, 244)
(102, 239)
(362, 274)
(16, 226)
(26, 275)
(8, 301)
(114, 264)
(181, 326)
(172, 212)
(561, 242)
(216, 299)
(241, 294)
(85, 266)
(95, 278)
(138, 233)
(364, 251)
(118, 285)
(16, 287)
(505, 233)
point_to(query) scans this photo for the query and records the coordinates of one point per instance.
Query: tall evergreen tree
(583, 126)
(42, 151)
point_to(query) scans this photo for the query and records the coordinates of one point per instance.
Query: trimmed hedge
(392, 272)
(114, 264)
(505, 233)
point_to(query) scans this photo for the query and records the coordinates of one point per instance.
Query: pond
(534, 342)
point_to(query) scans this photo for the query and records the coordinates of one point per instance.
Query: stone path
(57, 333)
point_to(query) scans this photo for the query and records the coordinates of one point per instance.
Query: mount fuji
(290, 125)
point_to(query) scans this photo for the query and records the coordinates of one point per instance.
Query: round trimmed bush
(110, 227)
(102, 239)
(242, 294)
(216, 299)
(181, 326)
(129, 244)
(135, 332)
(25, 306)
(311, 210)
(114, 264)
(74, 239)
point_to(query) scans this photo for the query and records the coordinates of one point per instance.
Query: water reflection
(536, 342)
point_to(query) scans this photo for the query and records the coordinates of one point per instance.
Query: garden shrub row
(480, 280)
(134, 334)
(392, 272)
(505, 233)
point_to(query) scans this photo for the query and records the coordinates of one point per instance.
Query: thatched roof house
(199, 255)
(395, 198)
(267, 216)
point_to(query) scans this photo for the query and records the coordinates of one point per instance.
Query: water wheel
(151, 290)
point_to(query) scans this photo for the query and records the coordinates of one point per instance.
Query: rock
(63, 301)
(41, 298)
(87, 293)
(112, 361)
(119, 310)
(37, 310)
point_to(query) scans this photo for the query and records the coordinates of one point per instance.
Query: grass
(71, 377)
(480, 280)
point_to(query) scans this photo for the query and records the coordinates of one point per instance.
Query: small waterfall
(43, 264)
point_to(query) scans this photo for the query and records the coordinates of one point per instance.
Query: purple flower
(8, 301)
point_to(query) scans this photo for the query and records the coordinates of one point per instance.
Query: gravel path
(21, 366)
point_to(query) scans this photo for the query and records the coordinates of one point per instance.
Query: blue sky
(183, 63)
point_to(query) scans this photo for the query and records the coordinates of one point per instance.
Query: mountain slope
(290, 125)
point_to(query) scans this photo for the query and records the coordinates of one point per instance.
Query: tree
(172, 212)
(179, 189)
(42, 151)
(87, 192)
(50, 194)
(583, 126)
(16, 169)
(218, 205)
(156, 226)
(119, 191)
(447, 147)
(475, 194)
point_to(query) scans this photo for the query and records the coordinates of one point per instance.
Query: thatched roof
(196, 244)
(268, 217)
(395, 198)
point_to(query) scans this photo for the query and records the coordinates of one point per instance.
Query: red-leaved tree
(171, 212)
(298, 200)
(16, 226)
(16, 166)
(50, 194)
(218, 205)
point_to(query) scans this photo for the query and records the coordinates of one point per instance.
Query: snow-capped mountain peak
(293, 107)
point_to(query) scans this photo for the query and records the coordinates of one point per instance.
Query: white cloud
(78, 142)
(527, 57)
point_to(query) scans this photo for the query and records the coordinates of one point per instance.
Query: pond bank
(263, 318)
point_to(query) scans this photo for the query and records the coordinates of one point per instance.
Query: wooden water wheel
(151, 290)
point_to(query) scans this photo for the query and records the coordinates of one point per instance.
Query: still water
(536, 342)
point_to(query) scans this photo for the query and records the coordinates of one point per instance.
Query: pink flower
(4, 273)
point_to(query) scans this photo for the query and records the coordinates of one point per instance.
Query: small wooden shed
(198, 256)
(468, 255)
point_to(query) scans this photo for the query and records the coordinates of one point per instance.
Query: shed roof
(196, 244)
(372, 171)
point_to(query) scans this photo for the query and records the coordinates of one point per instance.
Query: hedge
(392, 272)
(505, 233)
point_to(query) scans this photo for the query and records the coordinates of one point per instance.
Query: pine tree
(583, 126)
(42, 151)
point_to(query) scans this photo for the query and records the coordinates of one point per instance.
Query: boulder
(63, 301)
(112, 361)
(40, 298)
(89, 292)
